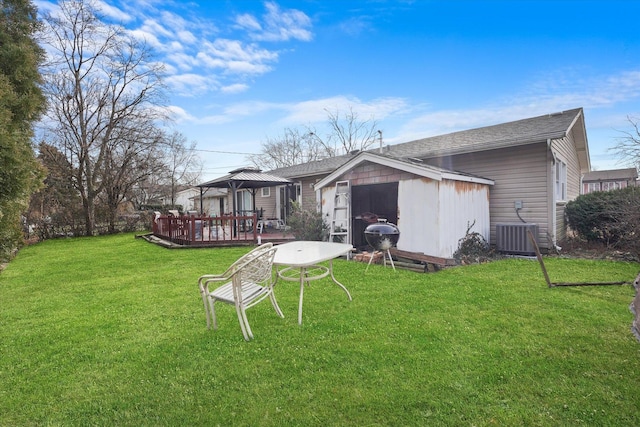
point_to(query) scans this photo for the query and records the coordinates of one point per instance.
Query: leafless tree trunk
(104, 97)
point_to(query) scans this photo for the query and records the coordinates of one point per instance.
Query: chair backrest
(258, 269)
(255, 266)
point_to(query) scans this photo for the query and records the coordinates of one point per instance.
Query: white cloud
(186, 37)
(543, 97)
(315, 111)
(248, 22)
(235, 57)
(236, 50)
(154, 27)
(146, 37)
(113, 12)
(191, 49)
(356, 25)
(182, 116)
(234, 88)
(278, 24)
(179, 114)
(181, 61)
(45, 7)
(250, 108)
(191, 84)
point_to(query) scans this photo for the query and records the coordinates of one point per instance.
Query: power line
(224, 152)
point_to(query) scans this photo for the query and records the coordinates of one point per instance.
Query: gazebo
(243, 178)
(236, 228)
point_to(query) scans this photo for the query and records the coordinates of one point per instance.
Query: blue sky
(240, 72)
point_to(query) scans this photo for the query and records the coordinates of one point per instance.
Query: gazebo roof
(246, 178)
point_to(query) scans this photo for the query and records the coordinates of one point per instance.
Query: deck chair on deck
(247, 282)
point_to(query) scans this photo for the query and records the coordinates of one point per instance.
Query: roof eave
(422, 170)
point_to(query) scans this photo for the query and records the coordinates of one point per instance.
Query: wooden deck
(205, 231)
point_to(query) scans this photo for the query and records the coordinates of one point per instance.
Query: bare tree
(182, 164)
(179, 167)
(129, 160)
(292, 148)
(105, 93)
(628, 147)
(349, 133)
(346, 134)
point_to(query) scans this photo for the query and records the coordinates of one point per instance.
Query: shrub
(306, 224)
(609, 217)
(473, 248)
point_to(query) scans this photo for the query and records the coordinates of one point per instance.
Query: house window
(561, 180)
(266, 192)
(298, 186)
(593, 186)
(606, 186)
(244, 202)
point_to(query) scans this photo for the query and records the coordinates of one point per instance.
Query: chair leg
(206, 308)
(276, 307)
(246, 324)
(213, 313)
(243, 323)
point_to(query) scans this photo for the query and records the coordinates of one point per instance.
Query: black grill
(382, 235)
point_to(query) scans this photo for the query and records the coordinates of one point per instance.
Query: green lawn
(111, 331)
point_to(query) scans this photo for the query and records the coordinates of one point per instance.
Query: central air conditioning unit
(514, 239)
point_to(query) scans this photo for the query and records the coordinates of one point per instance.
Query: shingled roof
(510, 134)
(520, 132)
(611, 175)
(317, 167)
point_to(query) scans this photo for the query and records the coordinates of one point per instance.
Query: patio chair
(248, 281)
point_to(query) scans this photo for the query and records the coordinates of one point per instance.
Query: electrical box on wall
(518, 204)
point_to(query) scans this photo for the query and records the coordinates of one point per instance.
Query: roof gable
(419, 169)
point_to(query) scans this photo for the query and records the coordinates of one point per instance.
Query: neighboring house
(609, 180)
(535, 166)
(214, 200)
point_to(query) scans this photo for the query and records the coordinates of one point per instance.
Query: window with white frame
(298, 186)
(561, 180)
(606, 186)
(593, 186)
(266, 192)
(244, 202)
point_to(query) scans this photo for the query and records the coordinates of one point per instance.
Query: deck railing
(191, 230)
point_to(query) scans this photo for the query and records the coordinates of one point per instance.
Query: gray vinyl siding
(267, 204)
(519, 173)
(565, 150)
(308, 196)
(309, 202)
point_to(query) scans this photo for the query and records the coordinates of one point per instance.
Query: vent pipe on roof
(380, 133)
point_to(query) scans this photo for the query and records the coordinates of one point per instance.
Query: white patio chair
(248, 281)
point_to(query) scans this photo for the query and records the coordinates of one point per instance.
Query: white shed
(432, 207)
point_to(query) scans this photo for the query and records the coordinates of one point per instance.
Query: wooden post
(539, 256)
